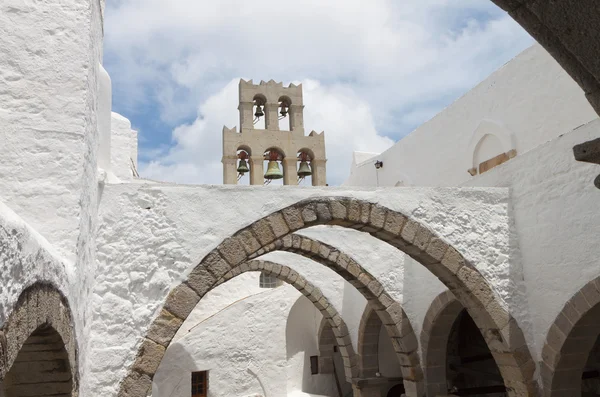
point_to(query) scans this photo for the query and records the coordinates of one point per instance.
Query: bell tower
(291, 154)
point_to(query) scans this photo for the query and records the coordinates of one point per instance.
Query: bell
(259, 111)
(273, 171)
(284, 111)
(304, 169)
(243, 167)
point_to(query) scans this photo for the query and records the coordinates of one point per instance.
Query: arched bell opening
(42, 367)
(284, 104)
(305, 167)
(470, 366)
(258, 111)
(243, 165)
(273, 166)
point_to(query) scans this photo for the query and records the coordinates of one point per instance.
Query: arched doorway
(41, 368)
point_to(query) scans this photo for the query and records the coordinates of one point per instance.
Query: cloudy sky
(372, 70)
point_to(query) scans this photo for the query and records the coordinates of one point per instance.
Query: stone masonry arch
(43, 313)
(368, 343)
(442, 313)
(388, 311)
(500, 330)
(569, 341)
(175, 312)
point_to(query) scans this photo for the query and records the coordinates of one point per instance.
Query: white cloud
(385, 66)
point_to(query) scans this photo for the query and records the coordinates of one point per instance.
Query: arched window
(305, 169)
(268, 281)
(273, 166)
(284, 117)
(258, 110)
(243, 165)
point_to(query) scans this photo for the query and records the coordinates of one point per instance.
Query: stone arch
(42, 316)
(442, 313)
(326, 340)
(388, 311)
(501, 331)
(569, 342)
(368, 343)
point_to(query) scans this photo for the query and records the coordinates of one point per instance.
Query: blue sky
(370, 74)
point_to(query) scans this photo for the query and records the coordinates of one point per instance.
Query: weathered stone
(135, 385)
(216, 264)
(201, 280)
(149, 357)
(262, 231)
(436, 249)
(323, 213)
(394, 222)
(285, 271)
(249, 242)
(164, 328)
(453, 260)
(353, 211)
(324, 251)
(232, 251)
(377, 216)
(278, 224)
(338, 211)
(422, 238)
(181, 301)
(309, 214)
(409, 231)
(293, 218)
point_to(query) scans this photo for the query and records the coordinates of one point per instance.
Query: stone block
(394, 222)
(436, 249)
(353, 207)
(278, 224)
(232, 251)
(309, 214)
(248, 241)
(323, 213)
(181, 301)
(453, 260)
(149, 357)
(262, 231)
(422, 238)
(285, 271)
(200, 280)
(338, 210)
(216, 264)
(377, 216)
(293, 218)
(409, 231)
(135, 385)
(164, 328)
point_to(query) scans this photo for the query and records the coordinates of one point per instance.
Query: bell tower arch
(272, 102)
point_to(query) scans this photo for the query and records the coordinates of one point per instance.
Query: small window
(200, 384)
(314, 365)
(268, 281)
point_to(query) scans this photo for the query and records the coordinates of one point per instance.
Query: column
(257, 170)
(290, 172)
(296, 118)
(246, 115)
(319, 173)
(272, 116)
(229, 170)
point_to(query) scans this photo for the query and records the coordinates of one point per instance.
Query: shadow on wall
(183, 365)
(301, 343)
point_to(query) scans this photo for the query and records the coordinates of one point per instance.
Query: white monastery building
(462, 261)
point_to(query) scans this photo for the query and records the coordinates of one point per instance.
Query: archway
(39, 355)
(41, 368)
(330, 360)
(157, 341)
(571, 362)
(368, 343)
(500, 330)
(456, 357)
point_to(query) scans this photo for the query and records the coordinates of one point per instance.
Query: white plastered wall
(162, 231)
(527, 102)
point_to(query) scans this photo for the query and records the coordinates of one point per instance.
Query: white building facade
(466, 264)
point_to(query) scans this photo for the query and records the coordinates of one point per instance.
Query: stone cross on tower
(274, 100)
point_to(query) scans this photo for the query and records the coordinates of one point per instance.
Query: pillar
(229, 170)
(246, 115)
(296, 118)
(272, 116)
(290, 172)
(319, 173)
(257, 170)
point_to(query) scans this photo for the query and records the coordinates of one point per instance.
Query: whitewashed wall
(531, 98)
